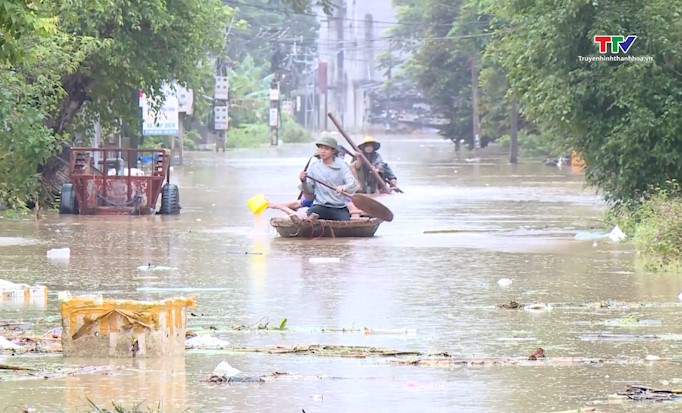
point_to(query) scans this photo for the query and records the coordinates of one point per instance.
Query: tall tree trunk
(514, 144)
(55, 170)
(474, 103)
(77, 87)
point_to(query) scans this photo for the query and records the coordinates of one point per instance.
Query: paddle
(305, 168)
(394, 188)
(378, 177)
(370, 206)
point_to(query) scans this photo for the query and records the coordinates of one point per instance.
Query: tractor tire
(68, 204)
(170, 200)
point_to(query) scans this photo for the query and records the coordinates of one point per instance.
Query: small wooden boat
(321, 228)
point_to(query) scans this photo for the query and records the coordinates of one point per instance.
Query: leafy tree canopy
(623, 116)
(19, 18)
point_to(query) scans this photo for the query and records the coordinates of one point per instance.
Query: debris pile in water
(638, 392)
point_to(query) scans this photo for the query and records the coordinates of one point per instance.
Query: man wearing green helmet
(328, 204)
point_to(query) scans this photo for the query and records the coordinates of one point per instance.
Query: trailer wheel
(68, 204)
(170, 200)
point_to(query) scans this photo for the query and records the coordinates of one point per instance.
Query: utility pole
(474, 102)
(514, 143)
(274, 111)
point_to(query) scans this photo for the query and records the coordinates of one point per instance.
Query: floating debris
(124, 328)
(447, 361)
(8, 345)
(223, 369)
(539, 353)
(640, 393)
(59, 253)
(512, 305)
(329, 351)
(504, 282)
(154, 267)
(324, 260)
(625, 337)
(275, 376)
(15, 292)
(537, 307)
(205, 342)
(607, 304)
(262, 324)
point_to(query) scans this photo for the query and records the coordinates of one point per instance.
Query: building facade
(349, 43)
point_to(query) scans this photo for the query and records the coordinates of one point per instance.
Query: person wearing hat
(328, 204)
(346, 155)
(369, 147)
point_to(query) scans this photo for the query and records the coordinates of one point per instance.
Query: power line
(280, 10)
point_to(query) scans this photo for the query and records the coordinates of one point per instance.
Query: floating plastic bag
(205, 342)
(59, 253)
(616, 234)
(223, 369)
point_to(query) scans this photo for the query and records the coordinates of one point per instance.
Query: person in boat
(306, 199)
(346, 155)
(369, 147)
(328, 204)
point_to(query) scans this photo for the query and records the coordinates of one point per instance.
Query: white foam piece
(322, 260)
(59, 253)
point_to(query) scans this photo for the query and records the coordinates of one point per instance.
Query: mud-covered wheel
(67, 202)
(170, 200)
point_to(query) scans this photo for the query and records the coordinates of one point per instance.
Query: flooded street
(433, 292)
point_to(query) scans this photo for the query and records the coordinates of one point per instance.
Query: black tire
(68, 204)
(170, 200)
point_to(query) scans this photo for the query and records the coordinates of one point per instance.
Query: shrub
(257, 134)
(249, 136)
(655, 224)
(293, 132)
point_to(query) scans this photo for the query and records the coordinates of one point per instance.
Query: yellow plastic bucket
(257, 203)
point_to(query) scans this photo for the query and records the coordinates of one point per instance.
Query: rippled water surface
(512, 221)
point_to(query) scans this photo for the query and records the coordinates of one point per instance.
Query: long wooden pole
(378, 177)
(305, 169)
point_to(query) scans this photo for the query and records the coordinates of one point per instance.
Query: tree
(328, 6)
(436, 67)
(144, 44)
(276, 38)
(19, 18)
(623, 116)
(31, 92)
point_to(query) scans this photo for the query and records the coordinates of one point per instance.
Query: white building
(350, 42)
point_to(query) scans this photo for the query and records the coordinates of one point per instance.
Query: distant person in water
(369, 147)
(328, 204)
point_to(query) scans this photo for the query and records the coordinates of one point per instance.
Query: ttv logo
(617, 43)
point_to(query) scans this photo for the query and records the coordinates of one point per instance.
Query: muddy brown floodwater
(515, 221)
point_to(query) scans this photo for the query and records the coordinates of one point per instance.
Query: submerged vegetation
(118, 408)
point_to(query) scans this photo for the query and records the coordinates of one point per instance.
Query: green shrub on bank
(258, 134)
(530, 144)
(655, 226)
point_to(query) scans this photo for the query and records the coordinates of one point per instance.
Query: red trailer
(118, 181)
